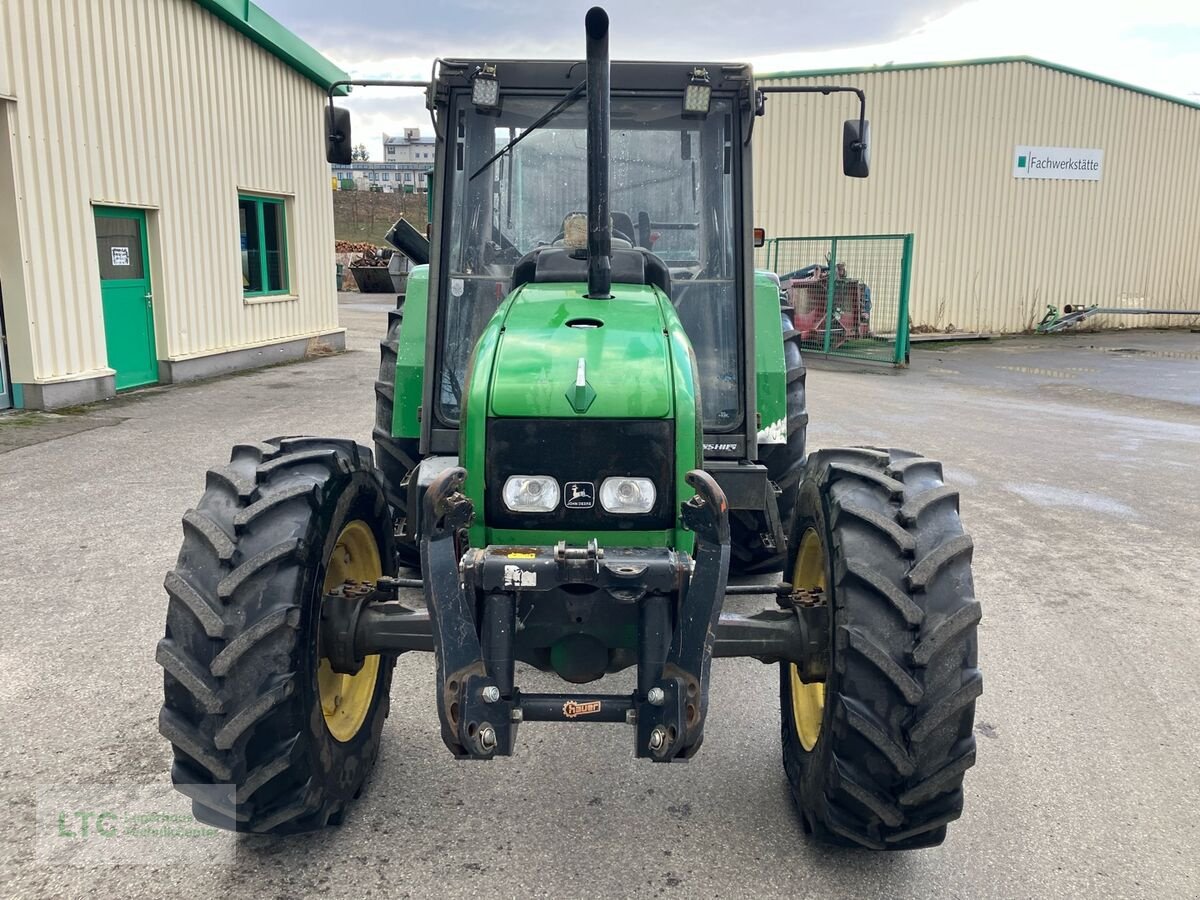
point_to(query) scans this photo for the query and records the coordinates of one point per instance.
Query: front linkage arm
(476, 720)
(670, 721)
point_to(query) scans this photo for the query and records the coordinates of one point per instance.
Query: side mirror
(856, 148)
(337, 136)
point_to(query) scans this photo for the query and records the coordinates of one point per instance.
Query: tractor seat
(560, 265)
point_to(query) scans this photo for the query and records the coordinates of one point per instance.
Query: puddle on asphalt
(1120, 425)
(1052, 496)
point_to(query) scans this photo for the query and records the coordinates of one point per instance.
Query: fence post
(830, 284)
(901, 354)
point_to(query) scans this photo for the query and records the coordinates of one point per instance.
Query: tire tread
(230, 655)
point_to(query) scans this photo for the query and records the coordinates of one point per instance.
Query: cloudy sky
(1153, 43)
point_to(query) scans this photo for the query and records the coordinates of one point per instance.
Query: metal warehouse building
(165, 211)
(1024, 183)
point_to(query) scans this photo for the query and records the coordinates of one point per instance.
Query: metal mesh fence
(862, 311)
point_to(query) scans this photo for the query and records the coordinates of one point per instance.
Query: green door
(5, 387)
(125, 292)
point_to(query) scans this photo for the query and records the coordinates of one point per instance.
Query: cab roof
(562, 75)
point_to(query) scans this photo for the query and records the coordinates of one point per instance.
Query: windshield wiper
(575, 94)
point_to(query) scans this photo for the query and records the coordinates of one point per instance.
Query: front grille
(573, 450)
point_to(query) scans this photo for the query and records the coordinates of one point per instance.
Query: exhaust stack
(599, 247)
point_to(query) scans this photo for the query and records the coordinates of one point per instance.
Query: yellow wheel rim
(808, 700)
(346, 699)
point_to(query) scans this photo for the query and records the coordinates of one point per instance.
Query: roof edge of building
(983, 61)
(246, 18)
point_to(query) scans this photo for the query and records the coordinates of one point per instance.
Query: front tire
(875, 755)
(248, 701)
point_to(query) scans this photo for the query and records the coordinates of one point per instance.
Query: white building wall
(156, 104)
(991, 251)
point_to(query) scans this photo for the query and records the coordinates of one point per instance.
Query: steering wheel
(680, 289)
(708, 271)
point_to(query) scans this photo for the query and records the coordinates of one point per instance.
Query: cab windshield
(670, 192)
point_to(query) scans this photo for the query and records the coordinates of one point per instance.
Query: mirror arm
(825, 89)
(333, 88)
(862, 118)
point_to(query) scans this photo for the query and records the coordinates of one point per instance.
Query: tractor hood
(561, 355)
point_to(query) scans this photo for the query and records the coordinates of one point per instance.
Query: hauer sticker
(579, 495)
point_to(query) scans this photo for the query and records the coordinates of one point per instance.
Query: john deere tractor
(590, 414)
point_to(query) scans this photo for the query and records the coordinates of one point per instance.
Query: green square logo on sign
(1058, 163)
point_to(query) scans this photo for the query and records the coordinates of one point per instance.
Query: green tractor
(590, 414)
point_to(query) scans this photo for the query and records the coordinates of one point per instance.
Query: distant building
(389, 177)
(408, 147)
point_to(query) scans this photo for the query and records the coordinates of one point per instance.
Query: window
(264, 246)
(408, 177)
(387, 176)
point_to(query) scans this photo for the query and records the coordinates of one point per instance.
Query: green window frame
(262, 230)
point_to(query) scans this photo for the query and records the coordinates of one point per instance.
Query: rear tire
(890, 739)
(395, 456)
(749, 555)
(242, 699)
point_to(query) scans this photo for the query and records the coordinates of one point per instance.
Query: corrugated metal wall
(991, 251)
(157, 104)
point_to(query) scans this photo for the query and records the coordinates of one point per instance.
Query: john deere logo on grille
(579, 495)
(573, 708)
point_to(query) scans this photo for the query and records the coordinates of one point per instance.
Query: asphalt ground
(1077, 458)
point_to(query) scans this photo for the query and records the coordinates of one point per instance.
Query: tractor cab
(513, 201)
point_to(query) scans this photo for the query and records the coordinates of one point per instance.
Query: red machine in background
(846, 315)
